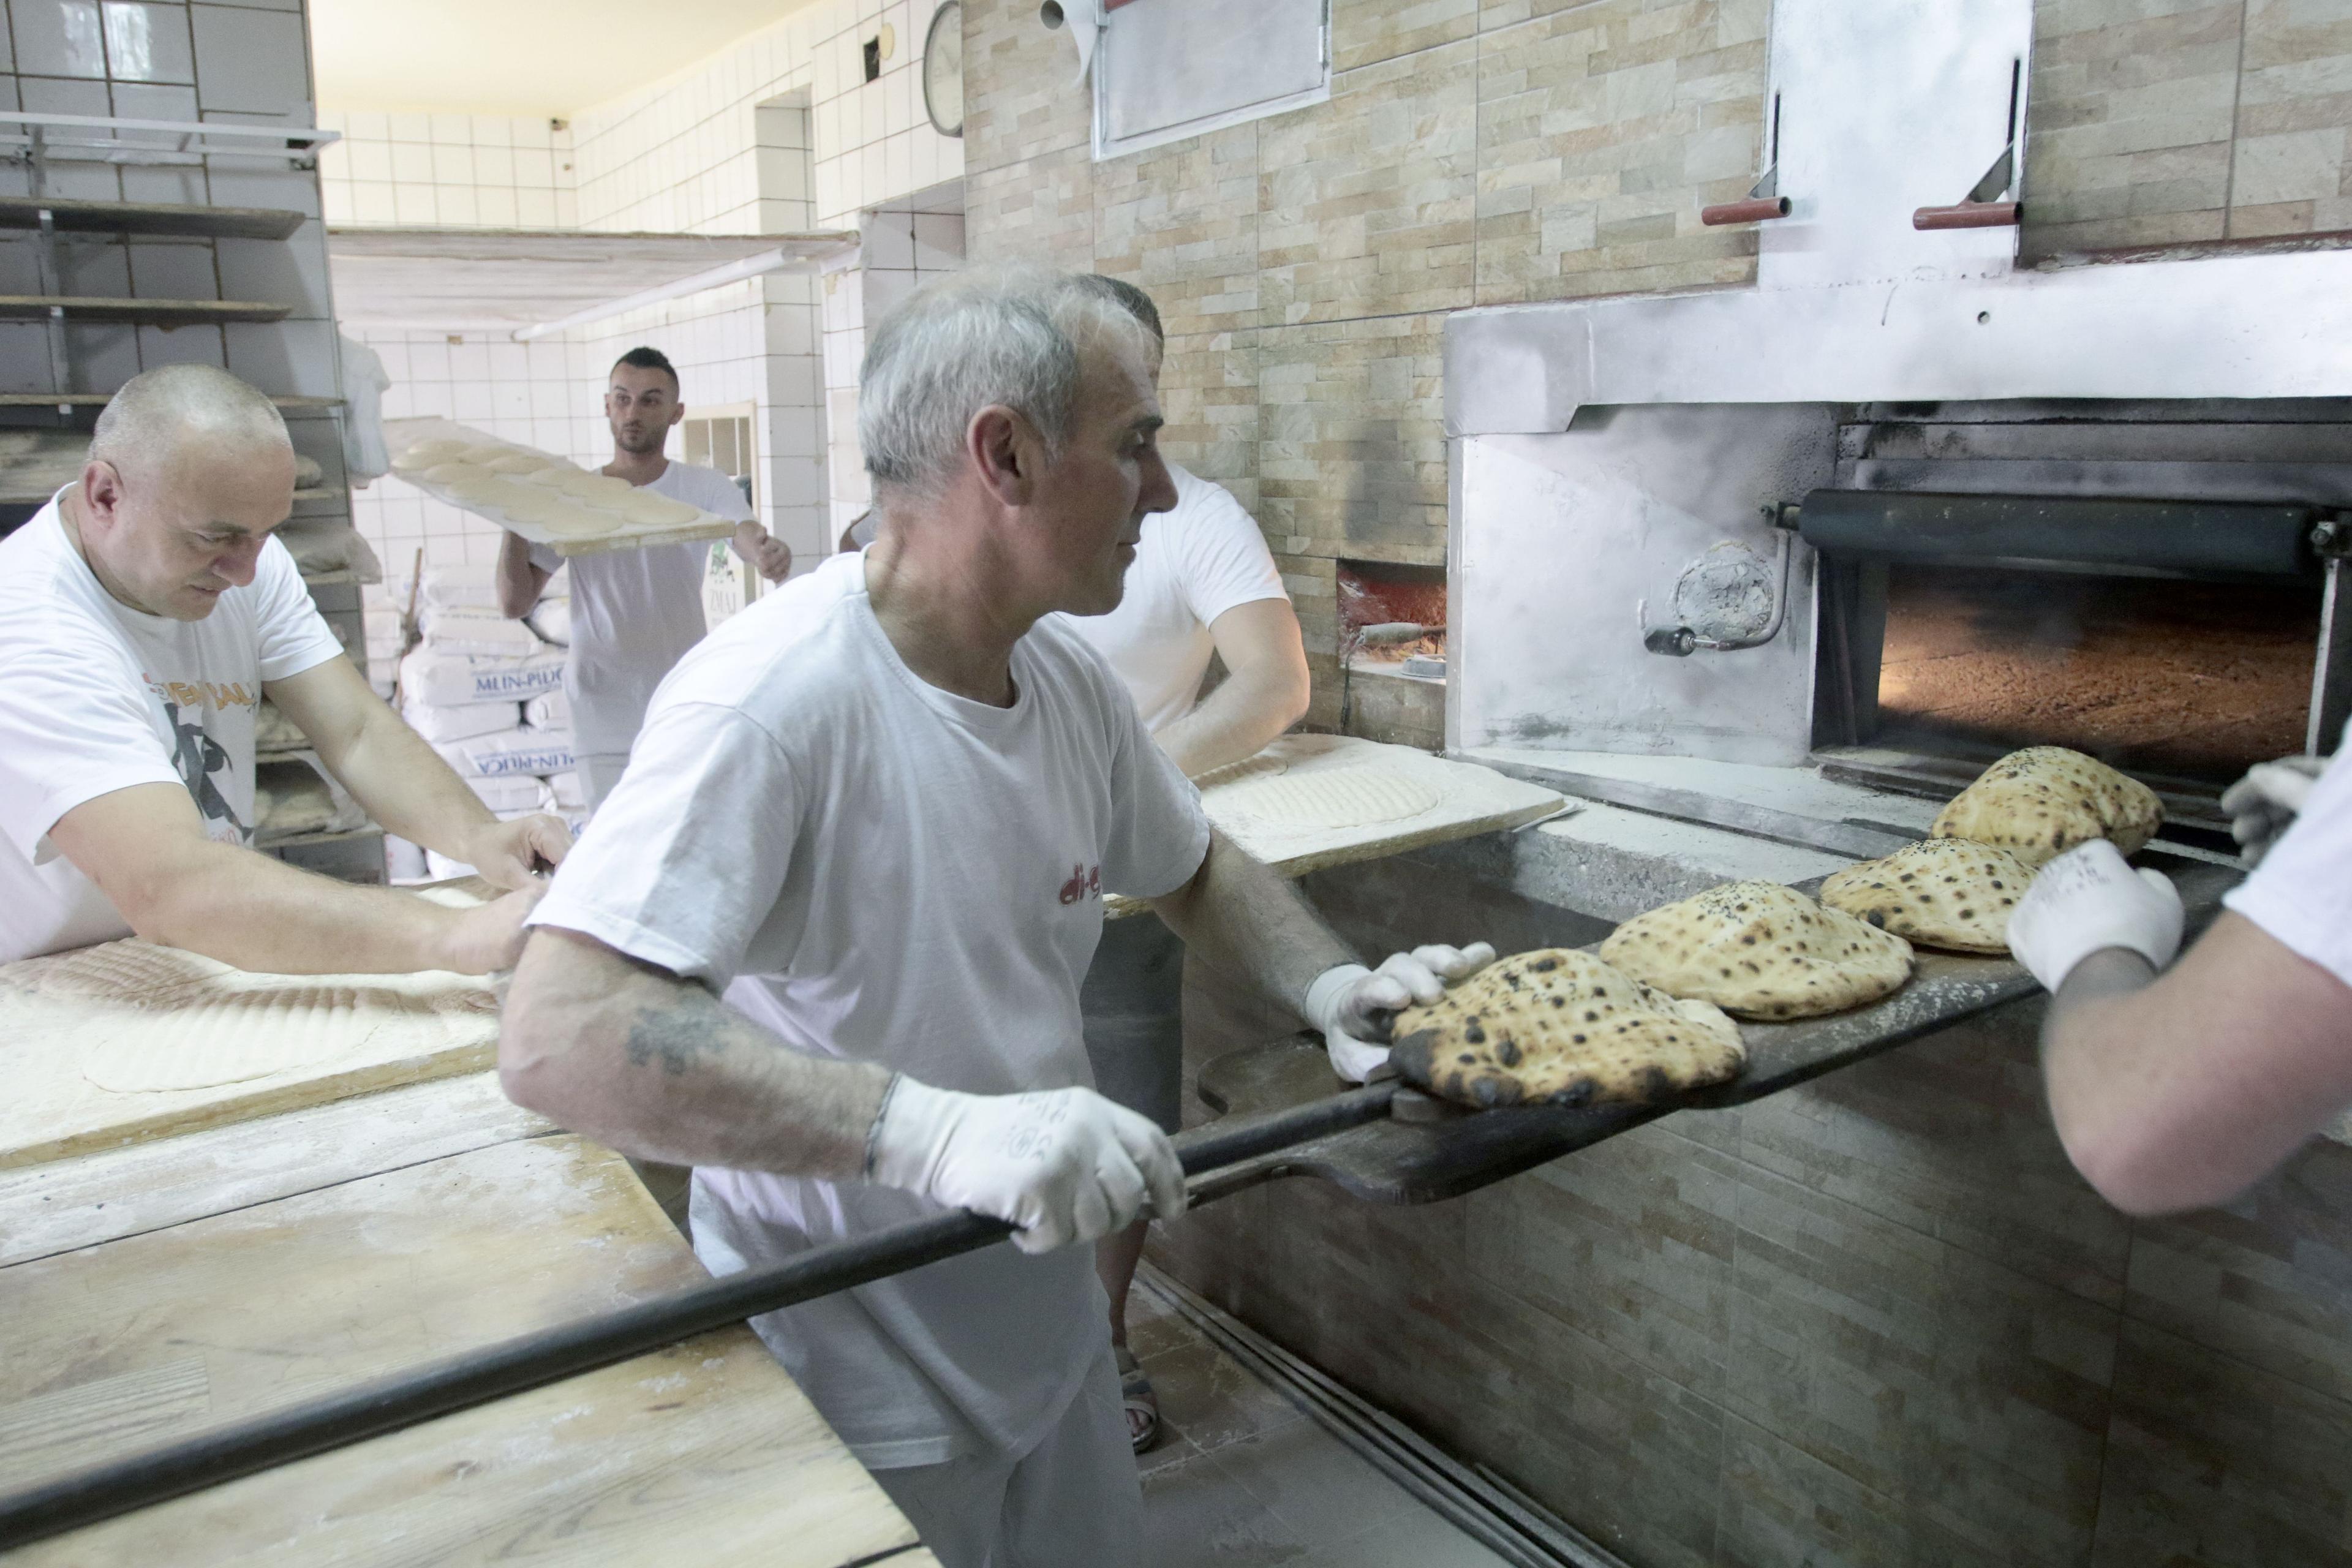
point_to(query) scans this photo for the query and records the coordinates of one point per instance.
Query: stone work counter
(1874, 1320)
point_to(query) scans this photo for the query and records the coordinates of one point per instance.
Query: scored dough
(154, 1019)
(2039, 803)
(1563, 1027)
(1259, 767)
(1330, 798)
(1762, 950)
(1946, 892)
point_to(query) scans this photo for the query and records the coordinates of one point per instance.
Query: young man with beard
(634, 611)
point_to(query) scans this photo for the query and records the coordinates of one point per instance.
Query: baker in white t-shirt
(1203, 581)
(879, 811)
(144, 614)
(2178, 1088)
(634, 611)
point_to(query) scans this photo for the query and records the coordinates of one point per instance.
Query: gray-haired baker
(879, 811)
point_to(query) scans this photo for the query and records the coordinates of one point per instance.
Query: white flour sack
(552, 711)
(434, 677)
(464, 629)
(462, 722)
(527, 753)
(512, 794)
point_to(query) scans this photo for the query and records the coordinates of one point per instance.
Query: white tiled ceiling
(518, 57)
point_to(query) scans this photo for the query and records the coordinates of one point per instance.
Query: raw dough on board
(1257, 767)
(1331, 798)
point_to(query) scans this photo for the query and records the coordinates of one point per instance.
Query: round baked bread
(1946, 892)
(2039, 803)
(1556, 1027)
(1762, 950)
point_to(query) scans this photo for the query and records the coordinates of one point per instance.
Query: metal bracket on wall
(1983, 207)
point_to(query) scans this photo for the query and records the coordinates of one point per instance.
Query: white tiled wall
(447, 170)
(916, 239)
(776, 134)
(682, 155)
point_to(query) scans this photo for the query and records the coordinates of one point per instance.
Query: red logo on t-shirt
(1083, 883)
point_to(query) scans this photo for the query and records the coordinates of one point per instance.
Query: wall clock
(943, 69)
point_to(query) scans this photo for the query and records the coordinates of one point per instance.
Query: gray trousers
(1132, 1011)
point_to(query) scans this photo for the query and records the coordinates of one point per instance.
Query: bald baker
(144, 614)
(2177, 1086)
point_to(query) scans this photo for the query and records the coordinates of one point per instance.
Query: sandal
(1142, 1405)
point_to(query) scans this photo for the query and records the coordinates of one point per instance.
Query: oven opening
(2188, 682)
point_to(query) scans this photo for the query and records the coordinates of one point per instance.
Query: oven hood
(1878, 113)
(2241, 326)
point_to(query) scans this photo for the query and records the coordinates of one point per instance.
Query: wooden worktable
(151, 1293)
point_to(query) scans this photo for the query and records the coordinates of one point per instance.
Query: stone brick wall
(2158, 122)
(1497, 152)
(1471, 153)
(1874, 1322)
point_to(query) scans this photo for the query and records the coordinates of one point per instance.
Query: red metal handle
(1971, 215)
(1752, 209)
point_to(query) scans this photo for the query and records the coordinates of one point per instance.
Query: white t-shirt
(1193, 564)
(634, 612)
(96, 696)
(2302, 892)
(879, 870)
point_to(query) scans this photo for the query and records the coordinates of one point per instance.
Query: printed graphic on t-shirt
(1084, 883)
(196, 757)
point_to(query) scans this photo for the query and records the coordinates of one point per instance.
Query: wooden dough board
(1471, 800)
(705, 1452)
(51, 1111)
(400, 433)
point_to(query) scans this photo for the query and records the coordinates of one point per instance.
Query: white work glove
(2087, 899)
(1062, 1165)
(2265, 803)
(1351, 1005)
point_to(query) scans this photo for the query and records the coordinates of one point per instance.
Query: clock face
(943, 69)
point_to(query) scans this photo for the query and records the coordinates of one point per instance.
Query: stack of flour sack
(488, 692)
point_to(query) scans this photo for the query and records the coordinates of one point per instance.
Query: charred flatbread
(1945, 892)
(2039, 803)
(1762, 950)
(1556, 1027)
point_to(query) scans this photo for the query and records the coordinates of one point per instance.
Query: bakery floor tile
(1241, 1478)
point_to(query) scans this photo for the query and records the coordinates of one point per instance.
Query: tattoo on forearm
(678, 1043)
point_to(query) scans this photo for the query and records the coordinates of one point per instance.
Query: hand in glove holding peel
(2265, 803)
(1353, 1007)
(2086, 901)
(1062, 1165)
